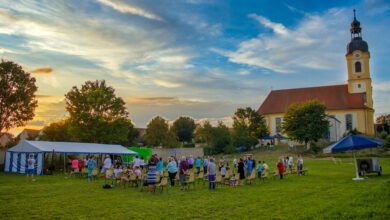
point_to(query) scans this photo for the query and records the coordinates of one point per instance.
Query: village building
(349, 106)
(29, 134)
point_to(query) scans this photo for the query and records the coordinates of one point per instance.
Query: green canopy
(142, 152)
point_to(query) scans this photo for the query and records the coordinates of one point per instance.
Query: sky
(197, 58)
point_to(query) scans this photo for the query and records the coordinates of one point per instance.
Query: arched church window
(358, 67)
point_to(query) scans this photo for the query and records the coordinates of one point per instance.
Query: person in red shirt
(81, 165)
(280, 167)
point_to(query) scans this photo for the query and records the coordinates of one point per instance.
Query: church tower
(359, 79)
(358, 61)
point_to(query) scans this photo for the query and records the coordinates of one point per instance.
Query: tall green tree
(56, 131)
(248, 127)
(184, 128)
(305, 122)
(159, 134)
(17, 96)
(220, 138)
(203, 133)
(97, 115)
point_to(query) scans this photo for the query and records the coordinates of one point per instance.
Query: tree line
(95, 114)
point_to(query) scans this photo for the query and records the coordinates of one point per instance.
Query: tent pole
(64, 164)
(356, 167)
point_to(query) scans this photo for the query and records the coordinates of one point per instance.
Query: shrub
(383, 135)
(229, 149)
(387, 142)
(188, 145)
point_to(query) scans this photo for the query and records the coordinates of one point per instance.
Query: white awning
(70, 148)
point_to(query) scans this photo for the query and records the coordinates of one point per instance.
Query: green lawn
(328, 192)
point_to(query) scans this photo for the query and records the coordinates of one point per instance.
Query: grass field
(327, 192)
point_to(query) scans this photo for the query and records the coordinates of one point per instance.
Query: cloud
(43, 70)
(383, 86)
(316, 42)
(276, 27)
(168, 84)
(142, 110)
(126, 8)
(105, 42)
(150, 99)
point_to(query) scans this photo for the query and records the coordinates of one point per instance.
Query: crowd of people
(242, 170)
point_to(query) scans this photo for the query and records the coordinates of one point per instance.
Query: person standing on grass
(290, 162)
(285, 163)
(205, 165)
(241, 170)
(152, 175)
(182, 173)
(75, 165)
(30, 167)
(81, 164)
(107, 163)
(259, 169)
(223, 172)
(160, 167)
(249, 170)
(86, 161)
(135, 162)
(300, 165)
(265, 166)
(172, 170)
(211, 170)
(280, 167)
(235, 163)
(91, 166)
(198, 163)
(191, 162)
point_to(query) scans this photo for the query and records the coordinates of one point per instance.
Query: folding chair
(163, 183)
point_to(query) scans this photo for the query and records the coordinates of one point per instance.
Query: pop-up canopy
(353, 143)
(17, 156)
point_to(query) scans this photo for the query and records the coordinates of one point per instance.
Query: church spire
(357, 43)
(355, 27)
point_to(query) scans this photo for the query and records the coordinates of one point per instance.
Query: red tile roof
(334, 97)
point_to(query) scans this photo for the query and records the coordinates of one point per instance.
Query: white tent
(17, 156)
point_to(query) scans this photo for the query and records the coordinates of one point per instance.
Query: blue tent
(242, 148)
(175, 152)
(267, 138)
(352, 143)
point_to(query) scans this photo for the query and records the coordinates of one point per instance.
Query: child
(118, 169)
(160, 167)
(223, 172)
(233, 181)
(137, 172)
(259, 169)
(30, 168)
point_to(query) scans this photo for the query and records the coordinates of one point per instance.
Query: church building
(348, 106)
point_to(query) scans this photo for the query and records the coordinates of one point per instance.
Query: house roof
(32, 133)
(334, 97)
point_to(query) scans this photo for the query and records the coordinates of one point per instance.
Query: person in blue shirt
(259, 169)
(248, 170)
(205, 165)
(160, 167)
(172, 170)
(197, 164)
(91, 166)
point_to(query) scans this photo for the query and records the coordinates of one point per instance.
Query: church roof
(334, 97)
